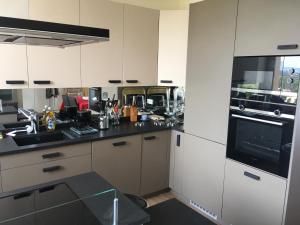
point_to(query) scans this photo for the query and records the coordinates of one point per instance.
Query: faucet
(33, 117)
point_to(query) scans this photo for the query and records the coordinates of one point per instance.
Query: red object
(82, 104)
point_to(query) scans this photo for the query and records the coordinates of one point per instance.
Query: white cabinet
(102, 63)
(263, 25)
(209, 68)
(176, 162)
(53, 66)
(140, 45)
(204, 163)
(172, 54)
(13, 61)
(252, 196)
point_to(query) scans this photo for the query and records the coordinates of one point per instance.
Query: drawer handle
(287, 47)
(121, 143)
(42, 82)
(251, 175)
(178, 140)
(46, 189)
(149, 138)
(52, 169)
(52, 155)
(115, 81)
(15, 82)
(166, 81)
(132, 81)
(22, 195)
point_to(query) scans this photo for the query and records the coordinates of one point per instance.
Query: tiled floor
(159, 198)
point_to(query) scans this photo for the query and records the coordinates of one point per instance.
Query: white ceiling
(159, 4)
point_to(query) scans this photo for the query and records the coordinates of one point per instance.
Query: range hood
(32, 32)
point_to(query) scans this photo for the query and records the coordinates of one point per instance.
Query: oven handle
(258, 120)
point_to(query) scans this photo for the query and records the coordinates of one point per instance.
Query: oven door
(260, 141)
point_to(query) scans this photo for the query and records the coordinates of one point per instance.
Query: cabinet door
(258, 199)
(119, 162)
(155, 162)
(176, 162)
(173, 39)
(204, 163)
(263, 25)
(102, 63)
(13, 61)
(140, 45)
(59, 67)
(209, 68)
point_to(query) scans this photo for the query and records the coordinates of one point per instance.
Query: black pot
(84, 118)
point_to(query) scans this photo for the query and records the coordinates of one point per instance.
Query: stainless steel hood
(32, 32)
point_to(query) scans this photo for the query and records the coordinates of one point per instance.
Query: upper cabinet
(141, 27)
(209, 68)
(52, 66)
(13, 61)
(102, 63)
(266, 26)
(173, 39)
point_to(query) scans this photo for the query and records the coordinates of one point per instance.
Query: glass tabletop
(59, 205)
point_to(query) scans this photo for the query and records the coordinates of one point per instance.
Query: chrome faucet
(33, 117)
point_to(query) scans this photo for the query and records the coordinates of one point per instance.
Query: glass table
(59, 205)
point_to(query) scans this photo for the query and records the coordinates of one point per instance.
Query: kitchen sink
(15, 125)
(40, 138)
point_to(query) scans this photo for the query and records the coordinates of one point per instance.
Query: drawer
(26, 176)
(40, 156)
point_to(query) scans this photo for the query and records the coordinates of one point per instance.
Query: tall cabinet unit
(102, 63)
(173, 36)
(140, 46)
(53, 66)
(209, 68)
(204, 163)
(268, 27)
(13, 60)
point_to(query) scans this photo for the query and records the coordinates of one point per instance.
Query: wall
(158, 4)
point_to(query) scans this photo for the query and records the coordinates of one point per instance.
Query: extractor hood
(32, 32)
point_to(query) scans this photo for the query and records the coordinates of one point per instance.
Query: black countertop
(8, 145)
(9, 110)
(45, 196)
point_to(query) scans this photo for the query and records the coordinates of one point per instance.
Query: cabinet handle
(52, 169)
(166, 81)
(178, 140)
(22, 195)
(52, 155)
(115, 81)
(15, 82)
(132, 81)
(42, 82)
(46, 189)
(251, 175)
(121, 143)
(149, 138)
(287, 47)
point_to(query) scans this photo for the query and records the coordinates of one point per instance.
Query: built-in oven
(262, 112)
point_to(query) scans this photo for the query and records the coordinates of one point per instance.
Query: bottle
(133, 111)
(44, 117)
(50, 120)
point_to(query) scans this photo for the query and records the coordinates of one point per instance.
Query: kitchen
(143, 112)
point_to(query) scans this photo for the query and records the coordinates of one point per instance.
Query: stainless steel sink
(40, 138)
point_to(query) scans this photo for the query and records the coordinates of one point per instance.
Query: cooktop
(51, 205)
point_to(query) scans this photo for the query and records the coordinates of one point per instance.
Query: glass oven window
(258, 140)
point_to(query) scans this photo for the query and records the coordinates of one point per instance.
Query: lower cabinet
(28, 169)
(16, 178)
(119, 162)
(155, 162)
(203, 177)
(252, 196)
(176, 162)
